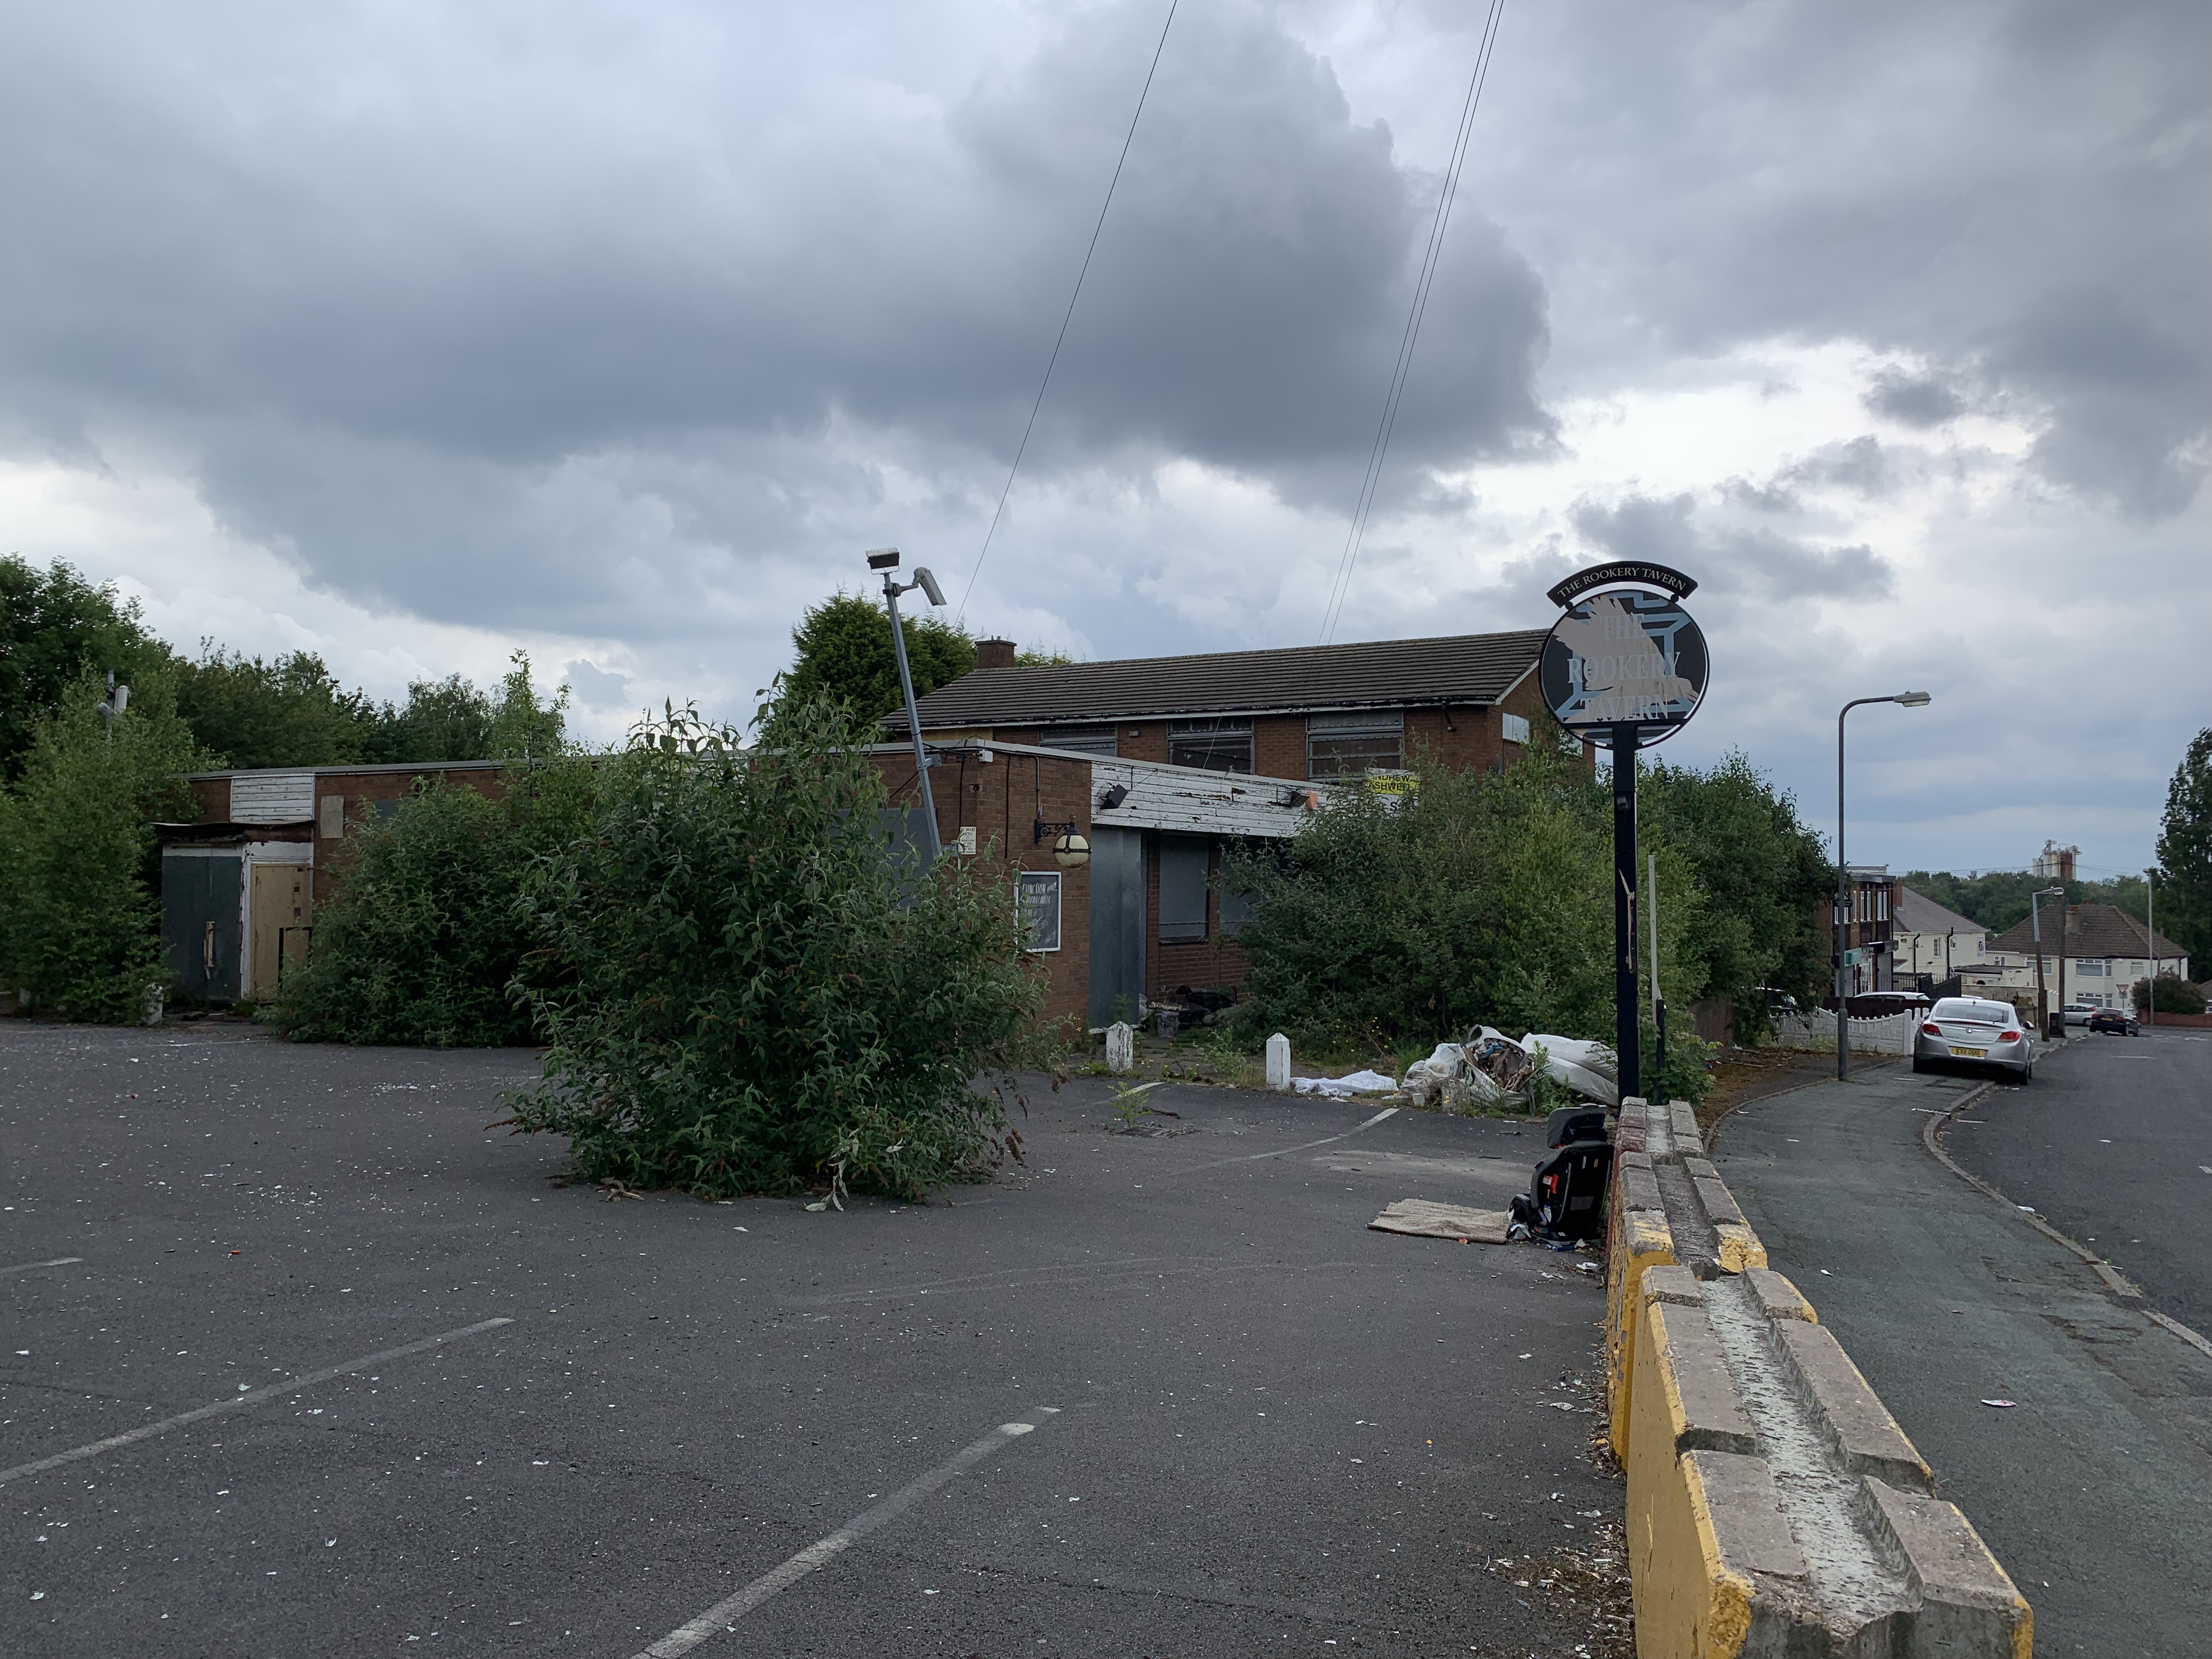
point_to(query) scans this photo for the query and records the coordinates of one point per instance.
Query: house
(1144, 917)
(1868, 929)
(1314, 714)
(1930, 943)
(2092, 953)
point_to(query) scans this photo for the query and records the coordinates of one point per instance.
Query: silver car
(1970, 1029)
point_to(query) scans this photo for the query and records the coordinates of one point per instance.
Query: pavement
(1160, 1394)
(2094, 1487)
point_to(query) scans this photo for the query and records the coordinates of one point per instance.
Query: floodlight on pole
(886, 559)
(1909, 700)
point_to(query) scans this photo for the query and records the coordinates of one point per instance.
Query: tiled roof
(1918, 914)
(1463, 669)
(2092, 930)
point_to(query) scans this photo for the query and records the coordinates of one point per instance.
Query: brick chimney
(995, 654)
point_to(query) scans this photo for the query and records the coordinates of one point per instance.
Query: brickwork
(362, 791)
(1002, 798)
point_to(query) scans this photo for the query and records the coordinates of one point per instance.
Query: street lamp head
(1914, 699)
(882, 558)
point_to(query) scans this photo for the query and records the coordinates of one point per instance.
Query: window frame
(1216, 728)
(1351, 727)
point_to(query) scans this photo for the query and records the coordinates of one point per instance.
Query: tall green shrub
(743, 995)
(1473, 898)
(425, 936)
(79, 912)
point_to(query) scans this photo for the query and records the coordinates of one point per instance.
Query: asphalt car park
(304, 1357)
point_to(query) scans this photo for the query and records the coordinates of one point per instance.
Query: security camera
(927, 584)
(882, 558)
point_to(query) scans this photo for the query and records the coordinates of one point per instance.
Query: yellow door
(284, 908)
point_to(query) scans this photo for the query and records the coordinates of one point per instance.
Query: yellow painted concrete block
(1640, 1241)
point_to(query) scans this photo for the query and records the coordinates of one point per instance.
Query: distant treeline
(1998, 898)
(241, 711)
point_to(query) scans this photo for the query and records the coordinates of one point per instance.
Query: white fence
(1891, 1034)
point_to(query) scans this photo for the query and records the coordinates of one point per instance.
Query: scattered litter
(611, 1189)
(1590, 1069)
(1589, 1267)
(2030, 1208)
(1421, 1219)
(2001, 1402)
(1340, 1088)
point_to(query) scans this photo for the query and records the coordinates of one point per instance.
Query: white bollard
(1279, 1063)
(1121, 1047)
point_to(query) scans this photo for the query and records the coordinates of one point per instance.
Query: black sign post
(1625, 665)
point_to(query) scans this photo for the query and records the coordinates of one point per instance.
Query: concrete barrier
(1774, 1506)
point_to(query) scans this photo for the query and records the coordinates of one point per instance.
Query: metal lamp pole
(886, 560)
(2150, 928)
(1909, 700)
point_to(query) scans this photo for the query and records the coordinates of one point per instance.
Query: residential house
(2092, 953)
(1928, 943)
(1868, 929)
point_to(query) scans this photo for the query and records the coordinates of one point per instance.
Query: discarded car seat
(1568, 1191)
(1571, 1123)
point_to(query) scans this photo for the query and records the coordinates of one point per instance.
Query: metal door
(200, 922)
(1117, 924)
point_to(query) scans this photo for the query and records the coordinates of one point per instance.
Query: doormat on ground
(1423, 1219)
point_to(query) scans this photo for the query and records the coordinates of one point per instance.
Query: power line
(1356, 535)
(1022, 447)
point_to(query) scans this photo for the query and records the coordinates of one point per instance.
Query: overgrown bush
(79, 914)
(743, 995)
(1473, 899)
(423, 940)
(2174, 996)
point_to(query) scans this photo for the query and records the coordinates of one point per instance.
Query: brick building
(1319, 713)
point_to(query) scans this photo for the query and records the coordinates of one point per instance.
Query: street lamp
(886, 559)
(1909, 700)
(2035, 926)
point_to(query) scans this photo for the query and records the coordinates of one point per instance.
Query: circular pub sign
(1627, 656)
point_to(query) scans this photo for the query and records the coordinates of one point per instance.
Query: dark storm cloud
(2010, 192)
(1737, 563)
(382, 328)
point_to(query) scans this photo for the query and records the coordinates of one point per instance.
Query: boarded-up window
(272, 797)
(1038, 895)
(1516, 727)
(1236, 910)
(1352, 745)
(1082, 739)
(1216, 745)
(1183, 862)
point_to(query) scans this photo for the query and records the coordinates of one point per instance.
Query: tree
(2185, 853)
(78, 911)
(54, 627)
(424, 940)
(743, 993)
(291, 712)
(845, 653)
(1764, 876)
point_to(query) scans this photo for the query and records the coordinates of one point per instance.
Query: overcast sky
(411, 333)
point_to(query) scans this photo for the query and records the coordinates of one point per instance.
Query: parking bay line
(1304, 1146)
(26, 1267)
(724, 1615)
(251, 1397)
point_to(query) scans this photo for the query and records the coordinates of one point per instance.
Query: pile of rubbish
(1491, 1069)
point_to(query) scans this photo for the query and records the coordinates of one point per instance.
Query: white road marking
(26, 1267)
(724, 1615)
(1255, 1158)
(250, 1397)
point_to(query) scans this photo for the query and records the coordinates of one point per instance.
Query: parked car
(2077, 1013)
(2113, 1021)
(1972, 1030)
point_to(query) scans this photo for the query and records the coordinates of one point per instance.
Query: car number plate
(1971, 1054)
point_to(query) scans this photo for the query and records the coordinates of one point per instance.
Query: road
(1248, 1424)
(2094, 1488)
(2114, 1145)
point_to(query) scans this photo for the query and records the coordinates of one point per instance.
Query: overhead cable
(1356, 534)
(1022, 448)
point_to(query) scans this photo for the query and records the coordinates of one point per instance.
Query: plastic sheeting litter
(1358, 1083)
(1423, 1219)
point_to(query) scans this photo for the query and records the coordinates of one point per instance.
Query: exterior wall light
(1070, 851)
